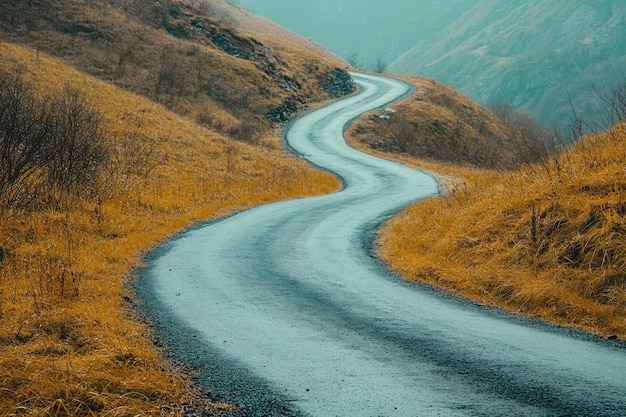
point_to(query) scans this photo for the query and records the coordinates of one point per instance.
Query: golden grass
(547, 241)
(68, 341)
(440, 124)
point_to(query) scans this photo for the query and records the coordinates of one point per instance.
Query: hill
(548, 241)
(530, 53)
(440, 124)
(544, 240)
(179, 54)
(121, 123)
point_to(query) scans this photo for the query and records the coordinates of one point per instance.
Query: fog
(366, 30)
(531, 53)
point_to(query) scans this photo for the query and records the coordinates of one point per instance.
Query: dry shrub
(50, 147)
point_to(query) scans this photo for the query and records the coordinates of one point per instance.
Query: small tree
(49, 147)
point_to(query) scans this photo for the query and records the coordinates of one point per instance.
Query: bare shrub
(379, 66)
(24, 131)
(614, 97)
(532, 142)
(354, 60)
(171, 79)
(135, 156)
(50, 148)
(78, 148)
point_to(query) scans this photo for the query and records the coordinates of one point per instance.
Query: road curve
(284, 312)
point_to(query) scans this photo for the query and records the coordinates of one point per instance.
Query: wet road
(283, 311)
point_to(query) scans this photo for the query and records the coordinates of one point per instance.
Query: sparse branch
(380, 66)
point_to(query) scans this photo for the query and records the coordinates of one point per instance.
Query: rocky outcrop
(338, 83)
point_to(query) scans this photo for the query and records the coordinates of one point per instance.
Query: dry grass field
(545, 240)
(69, 342)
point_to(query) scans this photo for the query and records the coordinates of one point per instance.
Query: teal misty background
(532, 53)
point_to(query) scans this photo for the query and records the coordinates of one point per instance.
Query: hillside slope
(548, 241)
(531, 53)
(440, 124)
(544, 240)
(180, 55)
(183, 108)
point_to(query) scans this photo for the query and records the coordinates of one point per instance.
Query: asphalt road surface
(283, 311)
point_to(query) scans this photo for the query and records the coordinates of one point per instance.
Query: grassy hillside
(69, 344)
(183, 107)
(179, 54)
(440, 124)
(547, 240)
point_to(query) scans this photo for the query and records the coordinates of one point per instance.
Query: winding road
(283, 311)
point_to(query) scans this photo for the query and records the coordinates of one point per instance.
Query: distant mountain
(369, 29)
(529, 52)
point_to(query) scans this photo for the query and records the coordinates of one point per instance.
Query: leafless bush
(78, 147)
(614, 97)
(50, 148)
(171, 79)
(24, 131)
(136, 155)
(532, 142)
(354, 60)
(379, 66)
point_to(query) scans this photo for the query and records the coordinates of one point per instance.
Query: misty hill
(367, 28)
(530, 53)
